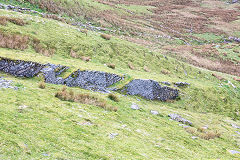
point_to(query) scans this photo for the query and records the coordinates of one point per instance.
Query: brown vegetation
(83, 98)
(164, 71)
(218, 77)
(106, 36)
(146, 69)
(13, 41)
(17, 21)
(113, 97)
(73, 54)
(130, 65)
(203, 133)
(42, 85)
(41, 48)
(110, 65)
(86, 59)
(85, 31)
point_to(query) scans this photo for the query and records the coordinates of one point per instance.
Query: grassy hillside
(49, 128)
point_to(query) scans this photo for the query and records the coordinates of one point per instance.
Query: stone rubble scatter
(178, 118)
(7, 84)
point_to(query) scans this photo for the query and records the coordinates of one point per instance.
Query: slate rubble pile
(150, 89)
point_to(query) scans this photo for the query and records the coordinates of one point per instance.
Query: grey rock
(150, 89)
(92, 80)
(178, 118)
(135, 107)
(166, 83)
(7, 84)
(154, 112)
(181, 84)
(234, 1)
(235, 126)
(20, 68)
(113, 135)
(233, 152)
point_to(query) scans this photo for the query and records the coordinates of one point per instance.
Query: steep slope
(36, 124)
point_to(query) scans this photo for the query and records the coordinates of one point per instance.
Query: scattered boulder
(235, 1)
(154, 112)
(178, 118)
(150, 89)
(235, 126)
(6, 84)
(181, 84)
(235, 39)
(233, 152)
(113, 135)
(135, 106)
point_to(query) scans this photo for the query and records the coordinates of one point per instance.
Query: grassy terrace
(55, 129)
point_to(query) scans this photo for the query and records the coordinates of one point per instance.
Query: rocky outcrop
(150, 89)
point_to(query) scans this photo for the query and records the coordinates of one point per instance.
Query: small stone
(194, 137)
(235, 126)
(135, 107)
(22, 107)
(113, 135)
(178, 118)
(154, 112)
(233, 152)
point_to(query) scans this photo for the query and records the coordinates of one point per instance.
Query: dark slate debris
(178, 118)
(20, 68)
(150, 89)
(92, 80)
(181, 84)
(51, 73)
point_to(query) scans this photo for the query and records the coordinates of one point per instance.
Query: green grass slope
(53, 129)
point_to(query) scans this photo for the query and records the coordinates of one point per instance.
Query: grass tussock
(166, 72)
(86, 59)
(13, 41)
(146, 69)
(42, 85)
(73, 54)
(4, 20)
(42, 49)
(65, 95)
(203, 133)
(218, 77)
(130, 65)
(113, 97)
(106, 36)
(110, 65)
(85, 31)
